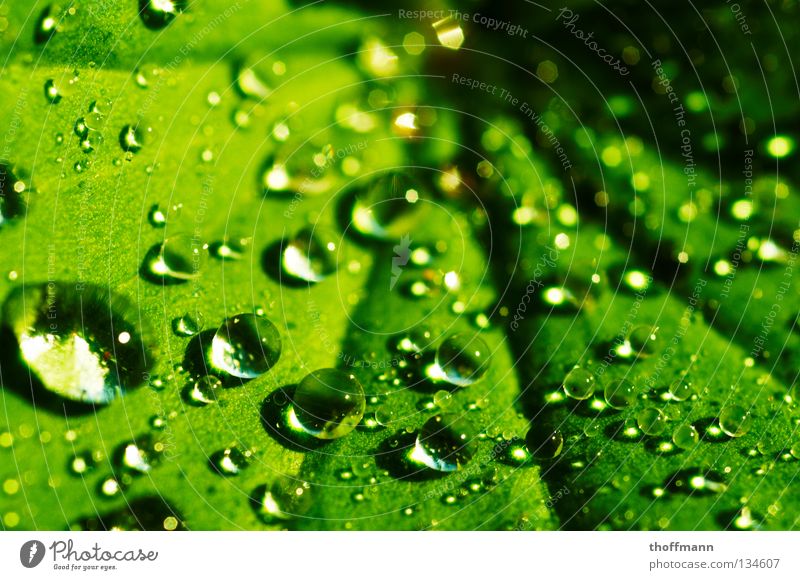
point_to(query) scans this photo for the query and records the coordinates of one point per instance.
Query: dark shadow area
(143, 514)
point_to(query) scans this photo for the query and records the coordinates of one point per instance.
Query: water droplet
(442, 399)
(651, 421)
(185, 325)
(51, 92)
(384, 417)
(131, 138)
(637, 281)
(463, 359)
(644, 341)
(310, 256)
(620, 394)
(177, 259)
(685, 436)
(228, 249)
(592, 429)
(329, 403)
(82, 463)
(156, 216)
(140, 456)
(681, 390)
(140, 78)
(156, 14)
(416, 341)
(110, 487)
(246, 346)
(281, 501)
(230, 461)
(87, 351)
(735, 421)
(444, 444)
(250, 84)
(100, 108)
(46, 25)
(388, 207)
(544, 440)
(203, 391)
(579, 384)
(81, 128)
(12, 202)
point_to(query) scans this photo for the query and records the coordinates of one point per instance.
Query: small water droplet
(51, 91)
(203, 391)
(156, 216)
(131, 138)
(177, 259)
(620, 394)
(246, 346)
(140, 456)
(644, 341)
(250, 84)
(735, 421)
(685, 436)
(651, 421)
(156, 14)
(281, 500)
(544, 440)
(328, 403)
(388, 207)
(230, 461)
(82, 463)
(12, 201)
(681, 390)
(463, 359)
(445, 443)
(310, 256)
(579, 383)
(186, 325)
(228, 249)
(46, 25)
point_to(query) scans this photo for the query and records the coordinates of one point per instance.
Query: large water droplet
(246, 346)
(75, 341)
(444, 443)
(463, 359)
(329, 403)
(156, 14)
(310, 256)
(388, 207)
